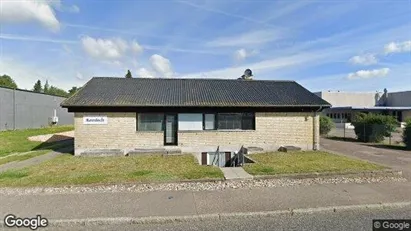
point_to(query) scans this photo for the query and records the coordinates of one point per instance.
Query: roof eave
(207, 106)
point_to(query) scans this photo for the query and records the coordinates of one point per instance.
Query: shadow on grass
(57, 143)
(387, 146)
(347, 139)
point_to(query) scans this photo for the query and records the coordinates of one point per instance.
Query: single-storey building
(193, 115)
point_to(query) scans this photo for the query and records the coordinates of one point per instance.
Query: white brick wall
(272, 130)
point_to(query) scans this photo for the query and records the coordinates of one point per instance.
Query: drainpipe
(14, 109)
(316, 130)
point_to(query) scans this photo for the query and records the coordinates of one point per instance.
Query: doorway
(170, 131)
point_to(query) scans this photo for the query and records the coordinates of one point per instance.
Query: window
(244, 121)
(209, 121)
(150, 122)
(229, 121)
(190, 122)
(248, 121)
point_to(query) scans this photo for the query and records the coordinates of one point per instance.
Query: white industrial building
(346, 104)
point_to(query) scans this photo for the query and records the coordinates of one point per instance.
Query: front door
(170, 131)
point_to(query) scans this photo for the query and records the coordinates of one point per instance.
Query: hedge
(406, 137)
(373, 127)
(326, 124)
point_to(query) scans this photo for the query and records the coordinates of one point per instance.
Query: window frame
(234, 122)
(252, 120)
(201, 120)
(154, 113)
(215, 121)
(242, 123)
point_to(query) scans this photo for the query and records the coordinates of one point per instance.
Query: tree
(46, 87)
(406, 136)
(373, 127)
(128, 75)
(7, 81)
(73, 90)
(57, 91)
(37, 86)
(326, 124)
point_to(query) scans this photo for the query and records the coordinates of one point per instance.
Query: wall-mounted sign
(95, 120)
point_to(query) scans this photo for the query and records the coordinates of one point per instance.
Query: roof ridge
(189, 92)
(218, 79)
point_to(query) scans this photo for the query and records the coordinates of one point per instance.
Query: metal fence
(21, 109)
(367, 133)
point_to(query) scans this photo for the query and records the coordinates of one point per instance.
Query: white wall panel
(190, 122)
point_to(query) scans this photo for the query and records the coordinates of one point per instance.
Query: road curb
(326, 175)
(214, 217)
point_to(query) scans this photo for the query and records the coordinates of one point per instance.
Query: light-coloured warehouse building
(346, 104)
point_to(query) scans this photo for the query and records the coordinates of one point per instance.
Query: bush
(406, 137)
(326, 124)
(373, 127)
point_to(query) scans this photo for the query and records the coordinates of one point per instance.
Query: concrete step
(140, 151)
(103, 152)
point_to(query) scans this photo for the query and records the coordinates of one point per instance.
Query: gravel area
(197, 186)
(53, 137)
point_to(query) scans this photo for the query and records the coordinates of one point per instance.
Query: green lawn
(305, 162)
(70, 170)
(16, 141)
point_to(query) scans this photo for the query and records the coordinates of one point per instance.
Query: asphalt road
(343, 220)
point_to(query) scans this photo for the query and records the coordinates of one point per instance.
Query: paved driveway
(397, 159)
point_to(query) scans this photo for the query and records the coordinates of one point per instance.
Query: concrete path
(192, 203)
(35, 160)
(396, 159)
(235, 173)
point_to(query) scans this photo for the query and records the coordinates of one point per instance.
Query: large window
(150, 121)
(193, 121)
(243, 121)
(190, 122)
(229, 120)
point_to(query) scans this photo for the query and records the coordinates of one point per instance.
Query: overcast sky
(324, 45)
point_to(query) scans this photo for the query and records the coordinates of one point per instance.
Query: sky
(323, 45)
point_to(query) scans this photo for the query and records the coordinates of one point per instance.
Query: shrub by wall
(407, 134)
(373, 127)
(326, 124)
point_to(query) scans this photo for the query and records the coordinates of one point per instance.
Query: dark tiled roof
(104, 91)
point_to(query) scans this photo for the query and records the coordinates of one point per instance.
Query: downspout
(316, 132)
(14, 109)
